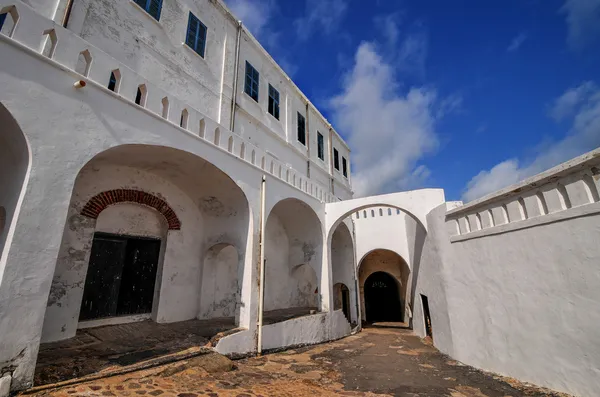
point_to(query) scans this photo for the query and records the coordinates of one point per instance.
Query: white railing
(63, 48)
(571, 185)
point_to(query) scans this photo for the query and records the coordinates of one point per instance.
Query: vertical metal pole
(261, 286)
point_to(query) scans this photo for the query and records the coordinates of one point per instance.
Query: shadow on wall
(14, 166)
(416, 251)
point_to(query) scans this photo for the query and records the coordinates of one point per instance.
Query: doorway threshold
(114, 321)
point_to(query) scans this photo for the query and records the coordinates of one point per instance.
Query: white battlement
(569, 189)
(66, 50)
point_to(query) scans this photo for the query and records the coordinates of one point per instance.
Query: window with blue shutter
(251, 86)
(2, 19)
(152, 7)
(196, 35)
(273, 102)
(301, 129)
(336, 159)
(320, 146)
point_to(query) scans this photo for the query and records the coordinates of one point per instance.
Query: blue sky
(469, 95)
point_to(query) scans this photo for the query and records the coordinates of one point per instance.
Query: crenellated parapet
(62, 49)
(566, 191)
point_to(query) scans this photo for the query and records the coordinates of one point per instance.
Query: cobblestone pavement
(375, 362)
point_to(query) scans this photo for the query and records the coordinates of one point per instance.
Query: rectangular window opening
(273, 102)
(336, 159)
(320, 146)
(152, 7)
(301, 129)
(252, 80)
(196, 35)
(345, 167)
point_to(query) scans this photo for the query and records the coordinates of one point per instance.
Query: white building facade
(154, 151)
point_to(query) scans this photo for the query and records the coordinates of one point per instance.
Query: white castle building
(156, 164)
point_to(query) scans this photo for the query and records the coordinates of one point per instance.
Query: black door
(139, 276)
(382, 299)
(103, 278)
(121, 276)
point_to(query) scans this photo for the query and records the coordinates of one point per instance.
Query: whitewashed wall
(521, 285)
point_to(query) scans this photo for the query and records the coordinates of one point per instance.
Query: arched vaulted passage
(172, 222)
(383, 278)
(293, 256)
(14, 167)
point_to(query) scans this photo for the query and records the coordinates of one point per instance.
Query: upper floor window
(344, 167)
(273, 102)
(251, 86)
(336, 159)
(152, 7)
(301, 129)
(196, 35)
(320, 146)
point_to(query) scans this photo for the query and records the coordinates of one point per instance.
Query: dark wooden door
(139, 276)
(121, 276)
(103, 278)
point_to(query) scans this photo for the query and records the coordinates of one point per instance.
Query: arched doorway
(343, 272)
(163, 205)
(383, 278)
(382, 298)
(293, 253)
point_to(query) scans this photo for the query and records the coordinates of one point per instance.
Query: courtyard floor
(377, 361)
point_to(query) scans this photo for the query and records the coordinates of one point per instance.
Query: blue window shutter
(2, 19)
(192, 31)
(142, 3)
(154, 7)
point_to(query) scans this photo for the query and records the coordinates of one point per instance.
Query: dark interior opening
(121, 276)
(382, 298)
(426, 316)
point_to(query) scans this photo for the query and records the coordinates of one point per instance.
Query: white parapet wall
(306, 330)
(513, 282)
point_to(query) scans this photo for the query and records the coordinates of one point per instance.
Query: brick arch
(99, 202)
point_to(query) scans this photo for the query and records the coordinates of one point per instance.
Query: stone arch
(220, 291)
(343, 269)
(101, 201)
(15, 163)
(392, 264)
(293, 245)
(145, 180)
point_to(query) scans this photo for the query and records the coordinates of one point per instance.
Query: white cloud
(568, 102)
(517, 42)
(583, 22)
(581, 106)
(321, 16)
(254, 14)
(410, 54)
(389, 130)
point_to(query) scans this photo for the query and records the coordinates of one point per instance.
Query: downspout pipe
(261, 285)
(235, 76)
(67, 14)
(307, 127)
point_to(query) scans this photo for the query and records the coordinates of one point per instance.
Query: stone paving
(375, 362)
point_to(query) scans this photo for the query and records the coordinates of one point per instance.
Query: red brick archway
(99, 202)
